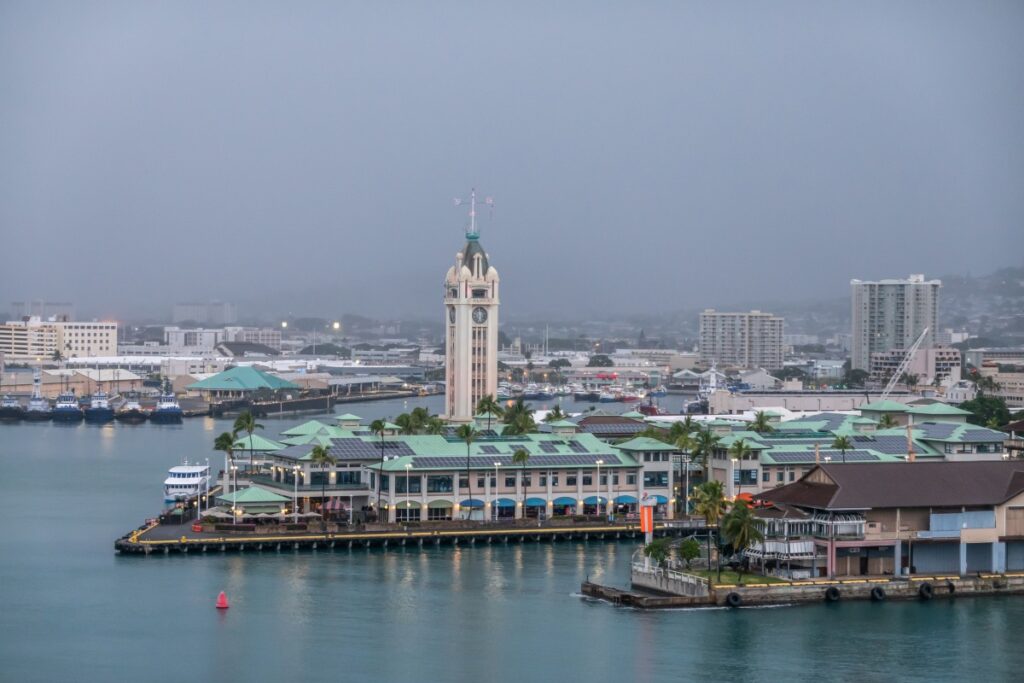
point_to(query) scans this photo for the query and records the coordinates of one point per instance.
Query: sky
(302, 157)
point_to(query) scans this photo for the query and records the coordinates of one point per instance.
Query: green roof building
(240, 382)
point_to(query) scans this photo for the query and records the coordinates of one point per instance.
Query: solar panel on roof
(577, 447)
(489, 449)
(549, 446)
(937, 430)
(560, 460)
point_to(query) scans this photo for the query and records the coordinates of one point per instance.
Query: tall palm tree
(225, 443)
(741, 529)
(705, 443)
(487, 405)
(468, 433)
(248, 424)
(842, 444)
(681, 427)
(554, 415)
(709, 503)
(739, 450)
(419, 416)
(887, 422)
(521, 457)
(322, 457)
(685, 444)
(761, 423)
(378, 427)
(406, 423)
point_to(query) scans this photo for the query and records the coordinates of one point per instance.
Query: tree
(762, 423)
(434, 425)
(405, 424)
(554, 415)
(709, 501)
(321, 457)
(688, 551)
(248, 424)
(488, 405)
(842, 444)
(378, 427)
(706, 442)
(791, 373)
(740, 528)
(910, 379)
(225, 443)
(521, 457)
(855, 378)
(985, 409)
(599, 360)
(739, 450)
(468, 434)
(887, 422)
(559, 363)
(658, 550)
(519, 419)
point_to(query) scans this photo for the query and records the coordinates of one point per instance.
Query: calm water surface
(71, 610)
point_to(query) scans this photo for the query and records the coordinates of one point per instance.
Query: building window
(439, 513)
(655, 479)
(570, 480)
(766, 477)
(780, 475)
(510, 482)
(554, 479)
(543, 480)
(464, 483)
(404, 514)
(439, 483)
(630, 480)
(588, 479)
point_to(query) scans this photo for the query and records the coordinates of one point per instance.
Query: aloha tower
(471, 327)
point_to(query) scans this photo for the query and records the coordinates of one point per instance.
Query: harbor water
(72, 610)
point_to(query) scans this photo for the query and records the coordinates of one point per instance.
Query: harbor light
(336, 325)
(284, 324)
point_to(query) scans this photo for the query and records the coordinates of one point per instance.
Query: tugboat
(132, 412)
(66, 408)
(10, 408)
(38, 409)
(167, 411)
(99, 409)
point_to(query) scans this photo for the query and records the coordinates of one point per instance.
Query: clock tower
(471, 327)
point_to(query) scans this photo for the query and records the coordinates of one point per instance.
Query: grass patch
(731, 577)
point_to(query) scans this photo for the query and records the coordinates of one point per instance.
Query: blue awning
(505, 503)
(594, 500)
(472, 503)
(536, 502)
(564, 501)
(628, 500)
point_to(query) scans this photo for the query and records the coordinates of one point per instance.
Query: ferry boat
(38, 409)
(132, 411)
(185, 481)
(504, 392)
(10, 408)
(99, 409)
(66, 408)
(167, 411)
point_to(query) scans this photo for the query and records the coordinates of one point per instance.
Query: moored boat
(132, 412)
(38, 409)
(66, 408)
(10, 408)
(185, 481)
(167, 411)
(99, 409)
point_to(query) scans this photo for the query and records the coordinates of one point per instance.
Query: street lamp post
(686, 487)
(597, 503)
(494, 495)
(295, 498)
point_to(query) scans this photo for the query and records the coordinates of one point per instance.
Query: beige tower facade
(471, 330)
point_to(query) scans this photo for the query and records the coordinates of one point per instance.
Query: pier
(165, 539)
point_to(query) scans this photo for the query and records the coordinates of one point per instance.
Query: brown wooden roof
(863, 486)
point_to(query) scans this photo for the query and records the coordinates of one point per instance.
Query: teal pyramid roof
(242, 379)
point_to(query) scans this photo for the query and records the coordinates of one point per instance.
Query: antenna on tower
(471, 231)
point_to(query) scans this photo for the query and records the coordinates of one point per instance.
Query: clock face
(451, 314)
(479, 315)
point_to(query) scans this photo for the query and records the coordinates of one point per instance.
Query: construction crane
(902, 367)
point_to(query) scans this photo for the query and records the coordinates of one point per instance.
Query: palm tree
(685, 444)
(842, 444)
(248, 424)
(741, 529)
(419, 416)
(705, 444)
(554, 415)
(519, 418)
(709, 503)
(468, 433)
(762, 423)
(487, 405)
(521, 457)
(406, 423)
(739, 450)
(378, 427)
(434, 425)
(681, 427)
(226, 444)
(322, 457)
(887, 421)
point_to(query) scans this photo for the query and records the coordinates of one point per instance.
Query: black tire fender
(733, 600)
(831, 594)
(878, 594)
(925, 591)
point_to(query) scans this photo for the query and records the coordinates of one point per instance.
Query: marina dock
(165, 539)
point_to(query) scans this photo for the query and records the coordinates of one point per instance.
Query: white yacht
(184, 481)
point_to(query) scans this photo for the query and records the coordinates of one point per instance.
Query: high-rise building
(213, 313)
(471, 319)
(742, 340)
(31, 339)
(44, 310)
(891, 314)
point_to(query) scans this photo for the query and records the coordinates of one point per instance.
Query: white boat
(184, 481)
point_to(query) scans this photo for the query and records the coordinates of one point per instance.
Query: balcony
(264, 480)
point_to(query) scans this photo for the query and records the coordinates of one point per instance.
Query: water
(71, 610)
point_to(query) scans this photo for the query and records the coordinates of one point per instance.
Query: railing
(646, 574)
(264, 480)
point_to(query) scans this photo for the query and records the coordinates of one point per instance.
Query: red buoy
(222, 601)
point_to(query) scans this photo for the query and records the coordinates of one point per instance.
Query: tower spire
(471, 231)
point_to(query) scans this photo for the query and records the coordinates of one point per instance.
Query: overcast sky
(303, 157)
